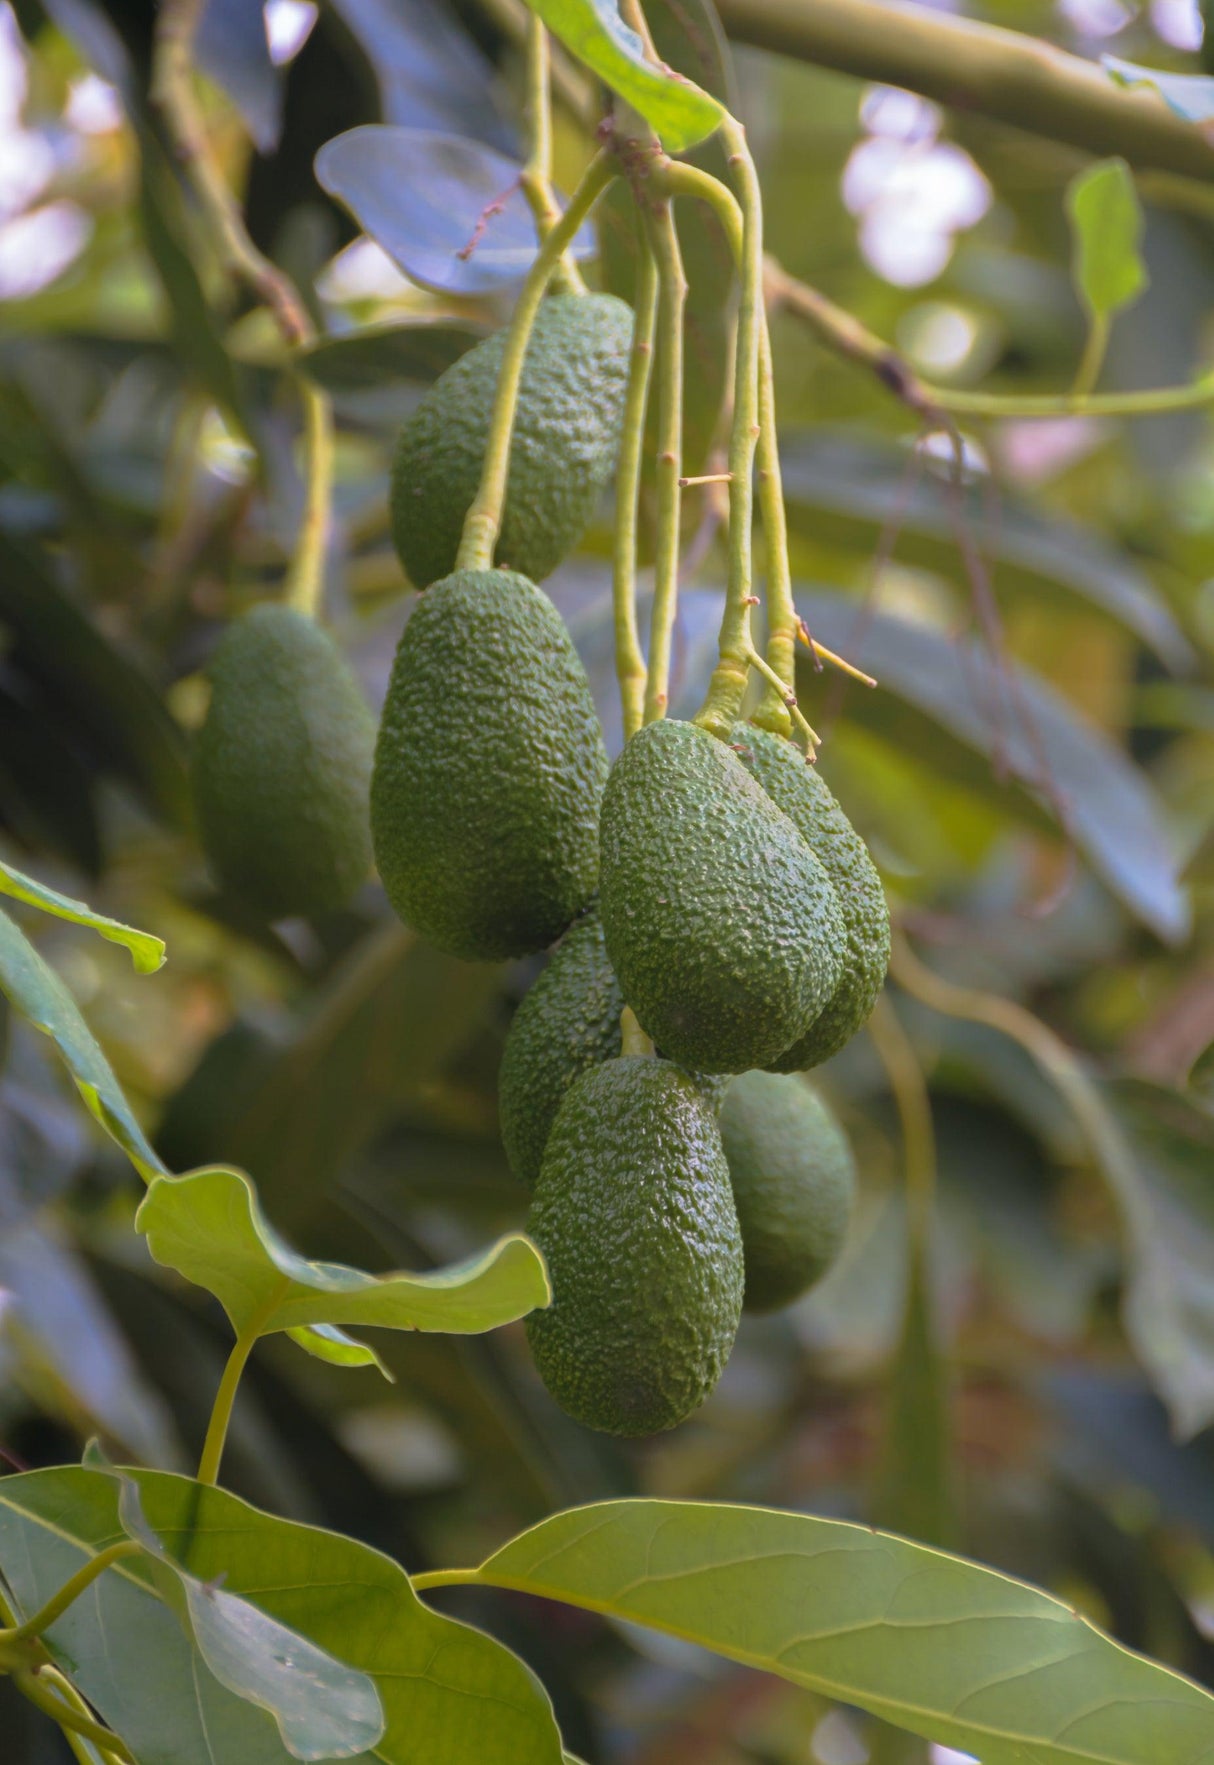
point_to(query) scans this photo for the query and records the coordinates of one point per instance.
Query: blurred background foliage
(1041, 1393)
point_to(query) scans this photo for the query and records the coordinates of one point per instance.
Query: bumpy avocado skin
(563, 447)
(489, 770)
(812, 807)
(634, 1213)
(568, 1021)
(721, 924)
(281, 767)
(794, 1183)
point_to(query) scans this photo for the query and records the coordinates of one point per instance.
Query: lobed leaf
(147, 952)
(957, 1653)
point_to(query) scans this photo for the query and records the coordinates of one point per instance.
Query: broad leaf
(368, 359)
(1106, 221)
(914, 1493)
(1191, 96)
(448, 210)
(1111, 808)
(680, 113)
(430, 72)
(842, 489)
(207, 1225)
(437, 1680)
(955, 1652)
(36, 991)
(233, 49)
(147, 952)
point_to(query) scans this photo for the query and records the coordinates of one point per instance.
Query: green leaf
(914, 1493)
(946, 1648)
(438, 1681)
(681, 113)
(147, 952)
(1106, 224)
(1191, 96)
(208, 1226)
(36, 990)
(377, 354)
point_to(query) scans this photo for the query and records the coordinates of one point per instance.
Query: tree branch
(1005, 75)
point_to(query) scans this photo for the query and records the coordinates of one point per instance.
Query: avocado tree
(412, 609)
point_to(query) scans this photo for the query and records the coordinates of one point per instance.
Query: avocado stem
(306, 576)
(535, 180)
(484, 518)
(788, 703)
(672, 283)
(629, 660)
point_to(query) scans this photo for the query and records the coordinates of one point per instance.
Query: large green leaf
(439, 1682)
(208, 1226)
(36, 991)
(1106, 220)
(950, 1650)
(357, 361)
(681, 113)
(1110, 807)
(147, 952)
(842, 488)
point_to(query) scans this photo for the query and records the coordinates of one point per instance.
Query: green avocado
(281, 766)
(634, 1214)
(489, 770)
(568, 1021)
(722, 926)
(563, 448)
(812, 807)
(794, 1182)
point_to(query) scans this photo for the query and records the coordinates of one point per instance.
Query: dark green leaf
(1106, 221)
(147, 952)
(914, 1492)
(364, 360)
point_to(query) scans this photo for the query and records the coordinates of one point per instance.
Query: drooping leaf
(437, 1680)
(952, 1651)
(147, 952)
(1106, 222)
(1191, 96)
(448, 210)
(430, 72)
(366, 359)
(209, 1227)
(842, 489)
(233, 49)
(681, 113)
(914, 1493)
(1112, 810)
(37, 991)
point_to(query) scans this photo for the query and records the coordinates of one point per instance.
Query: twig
(535, 179)
(664, 244)
(629, 661)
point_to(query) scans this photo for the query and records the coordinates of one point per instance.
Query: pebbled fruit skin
(721, 924)
(634, 1213)
(281, 766)
(794, 1182)
(569, 1020)
(489, 769)
(812, 807)
(562, 452)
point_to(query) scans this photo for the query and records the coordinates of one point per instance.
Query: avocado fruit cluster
(563, 446)
(282, 765)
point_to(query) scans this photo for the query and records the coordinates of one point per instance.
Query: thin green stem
(728, 684)
(445, 1578)
(786, 698)
(221, 1414)
(70, 1592)
(69, 1716)
(483, 520)
(629, 661)
(306, 577)
(664, 243)
(782, 623)
(535, 178)
(1092, 359)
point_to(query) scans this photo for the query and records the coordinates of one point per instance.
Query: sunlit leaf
(955, 1652)
(147, 952)
(438, 1681)
(37, 992)
(1191, 96)
(680, 112)
(1106, 221)
(449, 211)
(208, 1226)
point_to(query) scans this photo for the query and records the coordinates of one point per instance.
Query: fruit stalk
(664, 243)
(535, 180)
(629, 661)
(306, 577)
(484, 517)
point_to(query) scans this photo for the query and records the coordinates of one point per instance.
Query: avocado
(634, 1214)
(281, 766)
(794, 1183)
(563, 447)
(808, 801)
(568, 1021)
(489, 770)
(721, 924)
